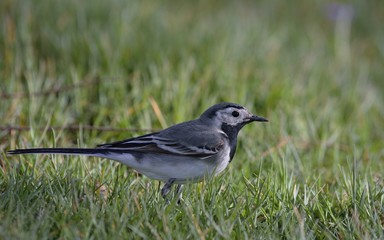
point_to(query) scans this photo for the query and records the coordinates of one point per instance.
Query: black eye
(235, 113)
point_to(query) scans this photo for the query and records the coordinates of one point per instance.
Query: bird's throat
(231, 132)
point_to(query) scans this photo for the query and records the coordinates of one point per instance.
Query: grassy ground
(81, 73)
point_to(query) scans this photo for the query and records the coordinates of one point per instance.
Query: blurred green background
(313, 68)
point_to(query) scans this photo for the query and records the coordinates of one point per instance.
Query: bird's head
(231, 114)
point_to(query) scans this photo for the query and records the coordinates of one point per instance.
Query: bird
(186, 152)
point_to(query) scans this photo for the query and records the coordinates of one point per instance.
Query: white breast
(223, 162)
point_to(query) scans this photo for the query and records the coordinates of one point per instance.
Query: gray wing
(187, 139)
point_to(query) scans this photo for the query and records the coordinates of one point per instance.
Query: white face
(233, 116)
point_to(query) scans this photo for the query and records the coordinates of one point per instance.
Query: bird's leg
(179, 193)
(167, 187)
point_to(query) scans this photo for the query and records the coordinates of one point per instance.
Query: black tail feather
(80, 151)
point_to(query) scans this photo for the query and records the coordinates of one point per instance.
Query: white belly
(182, 169)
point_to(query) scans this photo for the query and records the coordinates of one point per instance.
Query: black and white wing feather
(200, 143)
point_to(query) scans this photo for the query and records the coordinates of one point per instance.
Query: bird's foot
(167, 187)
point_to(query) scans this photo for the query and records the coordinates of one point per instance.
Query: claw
(167, 187)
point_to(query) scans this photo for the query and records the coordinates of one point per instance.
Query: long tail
(119, 155)
(68, 151)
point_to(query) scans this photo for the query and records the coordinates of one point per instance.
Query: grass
(84, 73)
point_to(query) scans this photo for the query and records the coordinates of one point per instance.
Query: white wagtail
(185, 152)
